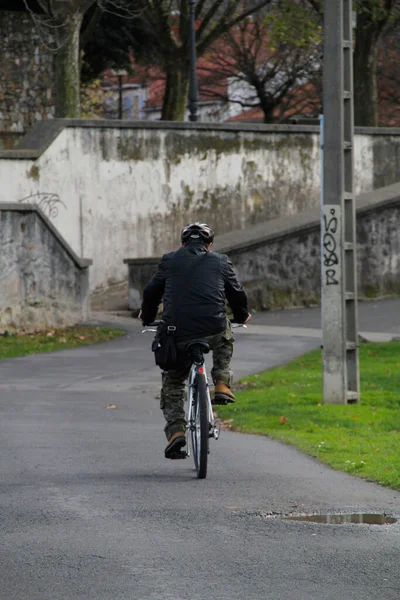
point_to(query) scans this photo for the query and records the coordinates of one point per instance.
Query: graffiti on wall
(331, 245)
(48, 202)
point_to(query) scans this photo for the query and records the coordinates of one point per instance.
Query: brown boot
(175, 444)
(223, 394)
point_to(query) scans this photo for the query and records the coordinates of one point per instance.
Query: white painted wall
(213, 111)
(118, 193)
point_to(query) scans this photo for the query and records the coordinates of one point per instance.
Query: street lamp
(120, 74)
(193, 92)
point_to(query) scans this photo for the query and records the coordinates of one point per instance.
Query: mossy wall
(284, 270)
(41, 285)
(118, 190)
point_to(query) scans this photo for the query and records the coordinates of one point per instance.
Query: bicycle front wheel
(199, 432)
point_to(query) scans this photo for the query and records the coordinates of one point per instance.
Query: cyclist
(194, 285)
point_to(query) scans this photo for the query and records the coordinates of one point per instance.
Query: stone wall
(279, 262)
(26, 73)
(42, 282)
(118, 189)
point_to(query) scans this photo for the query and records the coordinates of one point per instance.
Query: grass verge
(12, 346)
(362, 439)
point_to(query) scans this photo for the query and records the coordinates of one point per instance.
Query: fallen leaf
(111, 406)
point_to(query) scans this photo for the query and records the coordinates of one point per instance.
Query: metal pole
(321, 198)
(193, 91)
(338, 222)
(120, 111)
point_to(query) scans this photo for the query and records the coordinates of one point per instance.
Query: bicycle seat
(198, 346)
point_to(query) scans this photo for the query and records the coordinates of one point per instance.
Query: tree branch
(91, 26)
(210, 14)
(225, 25)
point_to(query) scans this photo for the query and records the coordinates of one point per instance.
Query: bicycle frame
(214, 428)
(197, 368)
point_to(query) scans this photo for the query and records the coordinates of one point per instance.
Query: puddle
(363, 518)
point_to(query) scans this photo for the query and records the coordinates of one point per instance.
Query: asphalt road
(90, 509)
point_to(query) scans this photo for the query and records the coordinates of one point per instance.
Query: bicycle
(201, 424)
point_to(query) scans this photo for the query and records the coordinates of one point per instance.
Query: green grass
(361, 439)
(12, 346)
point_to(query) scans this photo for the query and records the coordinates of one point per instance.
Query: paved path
(90, 509)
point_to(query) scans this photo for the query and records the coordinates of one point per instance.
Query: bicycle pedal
(219, 402)
(180, 455)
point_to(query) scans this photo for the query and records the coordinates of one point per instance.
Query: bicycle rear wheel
(199, 434)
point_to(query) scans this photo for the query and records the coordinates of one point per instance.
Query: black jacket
(194, 286)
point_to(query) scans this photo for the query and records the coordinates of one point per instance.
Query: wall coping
(82, 263)
(257, 235)
(286, 226)
(41, 136)
(152, 260)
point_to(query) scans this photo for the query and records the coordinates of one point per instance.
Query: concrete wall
(279, 262)
(42, 282)
(125, 189)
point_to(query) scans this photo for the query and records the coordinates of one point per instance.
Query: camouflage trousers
(173, 389)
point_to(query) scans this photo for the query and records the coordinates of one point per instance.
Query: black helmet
(197, 231)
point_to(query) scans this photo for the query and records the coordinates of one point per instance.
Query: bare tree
(375, 18)
(61, 21)
(277, 73)
(388, 81)
(169, 24)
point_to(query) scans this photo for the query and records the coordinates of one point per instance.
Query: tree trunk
(176, 92)
(67, 69)
(268, 111)
(266, 105)
(365, 89)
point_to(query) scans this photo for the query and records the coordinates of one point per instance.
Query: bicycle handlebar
(234, 324)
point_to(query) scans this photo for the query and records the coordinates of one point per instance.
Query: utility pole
(193, 89)
(341, 383)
